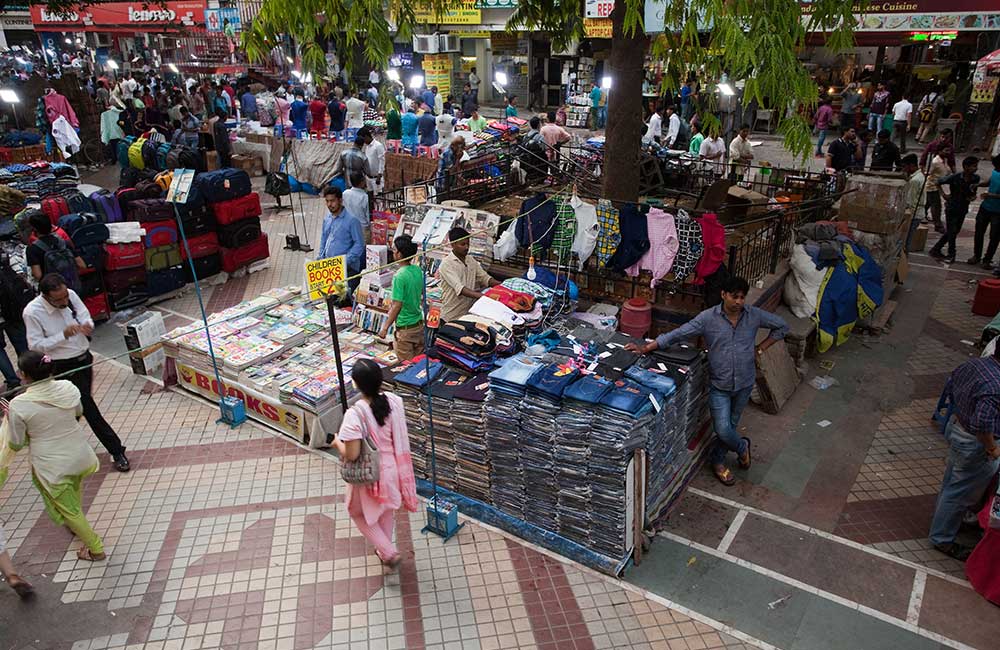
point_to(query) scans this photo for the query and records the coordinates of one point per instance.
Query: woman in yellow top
(44, 418)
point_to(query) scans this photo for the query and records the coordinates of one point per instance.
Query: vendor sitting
(461, 277)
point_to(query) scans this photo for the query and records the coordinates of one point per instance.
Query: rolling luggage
(238, 209)
(118, 281)
(124, 256)
(237, 258)
(240, 233)
(165, 281)
(205, 267)
(162, 257)
(202, 245)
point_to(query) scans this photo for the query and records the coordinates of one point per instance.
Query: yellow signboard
(437, 72)
(326, 277)
(985, 91)
(597, 27)
(460, 12)
(476, 34)
(287, 419)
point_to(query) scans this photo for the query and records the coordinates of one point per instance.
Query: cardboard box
(919, 240)
(876, 205)
(142, 339)
(252, 165)
(211, 160)
(743, 204)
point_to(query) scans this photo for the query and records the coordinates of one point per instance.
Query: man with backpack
(51, 254)
(928, 112)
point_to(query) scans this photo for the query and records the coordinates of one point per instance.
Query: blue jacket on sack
(850, 291)
(541, 213)
(635, 237)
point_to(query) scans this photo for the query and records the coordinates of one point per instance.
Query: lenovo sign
(123, 17)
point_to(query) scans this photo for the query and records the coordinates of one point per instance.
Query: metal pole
(331, 310)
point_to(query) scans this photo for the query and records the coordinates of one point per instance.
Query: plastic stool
(424, 151)
(394, 145)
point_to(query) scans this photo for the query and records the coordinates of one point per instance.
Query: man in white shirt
(374, 77)
(128, 86)
(355, 111)
(654, 130)
(902, 113)
(713, 150)
(356, 204)
(474, 80)
(375, 151)
(673, 127)
(58, 325)
(740, 152)
(438, 100)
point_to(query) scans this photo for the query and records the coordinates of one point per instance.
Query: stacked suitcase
(199, 229)
(89, 234)
(162, 254)
(237, 215)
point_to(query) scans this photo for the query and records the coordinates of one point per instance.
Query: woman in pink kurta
(381, 415)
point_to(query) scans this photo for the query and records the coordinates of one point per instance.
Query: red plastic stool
(394, 145)
(424, 151)
(987, 299)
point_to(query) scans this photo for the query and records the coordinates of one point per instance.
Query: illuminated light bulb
(531, 275)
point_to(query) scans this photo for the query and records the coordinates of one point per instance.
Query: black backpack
(59, 259)
(16, 292)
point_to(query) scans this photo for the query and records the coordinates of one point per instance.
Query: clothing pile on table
(40, 179)
(467, 343)
(834, 280)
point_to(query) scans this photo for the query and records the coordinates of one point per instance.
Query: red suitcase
(124, 256)
(237, 258)
(236, 209)
(97, 305)
(159, 233)
(201, 246)
(55, 207)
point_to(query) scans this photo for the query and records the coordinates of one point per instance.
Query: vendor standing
(730, 332)
(407, 293)
(971, 432)
(342, 235)
(461, 277)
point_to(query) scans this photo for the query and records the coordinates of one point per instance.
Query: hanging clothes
(534, 226)
(56, 105)
(609, 234)
(506, 246)
(565, 231)
(635, 237)
(713, 237)
(690, 246)
(65, 137)
(587, 229)
(663, 246)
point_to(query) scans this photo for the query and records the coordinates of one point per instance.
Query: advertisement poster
(326, 277)
(461, 13)
(223, 20)
(437, 72)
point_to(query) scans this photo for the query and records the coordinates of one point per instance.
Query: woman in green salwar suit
(44, 418)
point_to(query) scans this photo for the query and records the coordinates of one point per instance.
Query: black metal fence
(477, 182)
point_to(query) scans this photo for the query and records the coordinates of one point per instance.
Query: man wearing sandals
(730, 332)
(974, 455)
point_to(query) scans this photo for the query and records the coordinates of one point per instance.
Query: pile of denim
(472, 456)
(508, 386)
(410, 385)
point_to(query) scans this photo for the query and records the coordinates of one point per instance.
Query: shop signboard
(459, 12)
(437, 72)
(121, 16)
(598, 8)
(287, 419)
(223, 20)
(985, 91)
(326, 277)
(597, 27)
(496, 4)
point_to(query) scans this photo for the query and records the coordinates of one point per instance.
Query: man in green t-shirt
(406, 311)
(476, 122)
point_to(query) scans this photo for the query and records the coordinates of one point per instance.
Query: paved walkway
(226, 538)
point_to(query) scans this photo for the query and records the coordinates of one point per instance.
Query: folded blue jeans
(516, 371)
(727, 407)
(590, 389)
(629, 398)
(662, 384)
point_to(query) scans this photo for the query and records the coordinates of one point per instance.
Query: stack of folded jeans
(410, 385)
(538, 426)
(469, 420)
(508, 385)
(688, 367)
(572, 455)
(442, 400)
(466, 344)
(620, 427)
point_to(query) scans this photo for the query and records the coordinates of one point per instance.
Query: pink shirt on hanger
(663, 246)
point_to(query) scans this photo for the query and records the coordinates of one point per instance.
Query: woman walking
(21, 586)
(380, 416)
(46, 416)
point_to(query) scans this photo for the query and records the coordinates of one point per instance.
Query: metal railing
(477, 182)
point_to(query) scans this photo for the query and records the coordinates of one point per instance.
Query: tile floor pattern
(237, 539)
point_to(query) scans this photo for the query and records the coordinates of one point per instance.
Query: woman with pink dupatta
(380, 416)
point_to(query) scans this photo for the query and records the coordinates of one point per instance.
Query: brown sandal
(21, 586)
(724, 475)
(87, 555)
(749, 460)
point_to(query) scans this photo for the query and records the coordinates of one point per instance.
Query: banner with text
(326, 277)
(461, 12)
(121, 16)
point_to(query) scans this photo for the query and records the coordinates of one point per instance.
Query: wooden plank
(777, 377)
(882, 315)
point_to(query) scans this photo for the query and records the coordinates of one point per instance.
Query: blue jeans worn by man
(15, 332)
(726, 407)
(966, 478)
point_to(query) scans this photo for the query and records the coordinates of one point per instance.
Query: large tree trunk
(623, 131)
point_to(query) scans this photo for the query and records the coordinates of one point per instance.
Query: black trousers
(83, 378)
(986, 219)
(953, 225)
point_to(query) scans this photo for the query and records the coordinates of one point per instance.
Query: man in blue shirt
(427, 128)
(428, 98)
(248, 104)
(595, 105)
(300, 112)
(342, 235)
(988, 217)
(730, 332)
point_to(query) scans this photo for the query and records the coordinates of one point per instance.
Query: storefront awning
(122, 17)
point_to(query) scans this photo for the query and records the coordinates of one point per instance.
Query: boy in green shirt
(697, 137)
(406, 310)
(476, 121)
